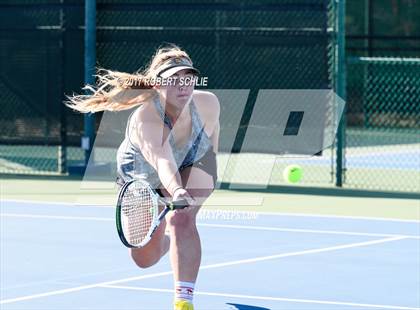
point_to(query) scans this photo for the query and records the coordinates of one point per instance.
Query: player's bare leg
(185, 246)
(151, 253)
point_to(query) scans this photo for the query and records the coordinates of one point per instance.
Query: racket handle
(179, 204)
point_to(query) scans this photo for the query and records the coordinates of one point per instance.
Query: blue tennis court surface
(57, 256)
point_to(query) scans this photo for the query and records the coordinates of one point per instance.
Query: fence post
(90, 60)
(62, 148)
(341, 87)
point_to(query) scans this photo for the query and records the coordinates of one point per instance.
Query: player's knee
(179, 219)
(181, 223)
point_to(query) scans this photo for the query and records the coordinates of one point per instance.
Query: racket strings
(138, 214)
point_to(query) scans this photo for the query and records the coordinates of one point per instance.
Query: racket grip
(179, 204)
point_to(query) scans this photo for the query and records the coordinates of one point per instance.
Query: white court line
(351, 217)
(211, 266)
(305, 252)
(57, 217)
(311, 231)
(81, 288)
(69, 204)
(270, 298)
(56, 203)
(247, 227)
(65, 280)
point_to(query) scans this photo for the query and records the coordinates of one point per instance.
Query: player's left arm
(209, 108)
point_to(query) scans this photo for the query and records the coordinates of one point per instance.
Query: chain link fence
(36, 59)
(383, 123)
(240, 46)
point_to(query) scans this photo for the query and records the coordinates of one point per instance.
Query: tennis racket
(137, 214)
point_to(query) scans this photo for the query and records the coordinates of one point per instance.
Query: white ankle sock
(184, 290)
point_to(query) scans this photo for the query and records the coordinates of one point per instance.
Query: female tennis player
(171, 142)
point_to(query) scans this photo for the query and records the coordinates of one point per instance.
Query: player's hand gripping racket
(138, 214)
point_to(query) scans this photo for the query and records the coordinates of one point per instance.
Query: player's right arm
(152, 138)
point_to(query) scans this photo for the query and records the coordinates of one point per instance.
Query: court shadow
(245, 307)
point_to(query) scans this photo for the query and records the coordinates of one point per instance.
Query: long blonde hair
(117, 91)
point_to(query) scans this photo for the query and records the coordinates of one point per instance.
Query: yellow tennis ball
(293, 173)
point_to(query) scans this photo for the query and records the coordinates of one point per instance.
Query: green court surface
(296, 200)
